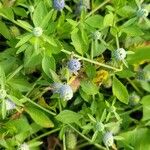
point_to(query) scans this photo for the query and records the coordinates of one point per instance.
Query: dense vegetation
(74, 75)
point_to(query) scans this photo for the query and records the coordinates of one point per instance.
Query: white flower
(37, 31)
(120, 54)
(10, 105)
(24, 146)
(108, 139)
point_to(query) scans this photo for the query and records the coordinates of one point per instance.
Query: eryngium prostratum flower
(59, 4)
(108, 139)
(74, 65)
(119, 54)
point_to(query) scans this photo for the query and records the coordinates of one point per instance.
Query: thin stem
(48, 111)
(14, 73)
(47, 133)
(83, 145)
(130, 111)
(33, 86)
(86, 138)
(134, 86)
(97, 8)
(117, 42)
(91, 61)
(64, 142)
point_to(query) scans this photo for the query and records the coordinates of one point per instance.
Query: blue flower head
(74, 65)
(56, 86)
(66, 92)
(59, 4)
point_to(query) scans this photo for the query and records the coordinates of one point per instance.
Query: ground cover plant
(74, 75)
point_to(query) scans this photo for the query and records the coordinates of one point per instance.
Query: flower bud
(37, 31)
(59, 4)
(108, 139)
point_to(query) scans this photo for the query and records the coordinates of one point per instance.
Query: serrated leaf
(120, 91)
(39, 117)
(68, 116)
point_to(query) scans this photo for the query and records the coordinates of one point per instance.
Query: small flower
(143, 75)
(142, 12)
(31, 9)
(108, 139)
(97, 35)
(66, 92)
(37, 31)
(56, 86)
(100, 126)
(120, 54)
(10, 105)
(3, 94)
(74, 65)
(24, 146)
(134, 99)
(59, 4)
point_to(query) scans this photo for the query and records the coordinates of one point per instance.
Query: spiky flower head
(66, 92)
(74, 65)
(120, 54)
(10, 105)
(59, 4)
(37, 31)
(108, 139)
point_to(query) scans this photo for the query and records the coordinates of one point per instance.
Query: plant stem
(33, 86)
(97, 8)
(46, 110)
(83, 145)
(117, 42)
(45, 134)
(91, 61)
(130, 111)
(10, 76)
(64, 142)
(86, 138)
(134, 86)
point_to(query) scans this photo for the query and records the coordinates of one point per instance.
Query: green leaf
(120, 91)
(4, 30)
(39, 13)
(48, 62)
(2, 77)
(24, 39)
(146, 107)
(108, 20)
(141, 54)
(68, 116)
(46, 19)
(39, 117)
(78, 42)
(132, 30)
(95, 21)
(89, 87)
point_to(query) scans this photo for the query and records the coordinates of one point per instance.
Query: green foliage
(38, 41)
